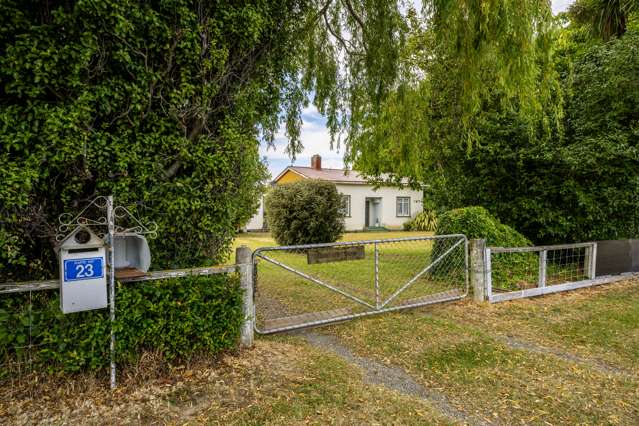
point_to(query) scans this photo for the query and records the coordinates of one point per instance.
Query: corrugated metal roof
(332, 175)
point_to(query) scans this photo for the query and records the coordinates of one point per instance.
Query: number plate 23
(83, 269)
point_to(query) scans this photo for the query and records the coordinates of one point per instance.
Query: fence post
(478, 269)
(244, 262)
(592, 261)
(541, 276)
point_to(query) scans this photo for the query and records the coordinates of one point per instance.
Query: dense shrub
(425, 220)
(158, 103)
(176, 318)
(477, 222)
(305, 212)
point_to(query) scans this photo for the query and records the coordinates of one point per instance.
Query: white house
(366, 206)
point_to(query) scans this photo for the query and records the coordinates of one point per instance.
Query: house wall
(257, 221)
(389, 219)
(359, 193)
(289, 177)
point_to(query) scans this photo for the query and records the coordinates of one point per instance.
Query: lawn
(570, 358)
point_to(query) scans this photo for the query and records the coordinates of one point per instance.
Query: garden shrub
(425, 220)
(175, 317)
(509, 270)
(305, 212)
(477, 222)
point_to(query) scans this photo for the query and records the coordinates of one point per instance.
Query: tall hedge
(157, 102)
(176, 318)
(305, 212)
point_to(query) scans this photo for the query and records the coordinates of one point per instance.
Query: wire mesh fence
(567, 265)
(35, 336)
(300, 286)
(530, 271)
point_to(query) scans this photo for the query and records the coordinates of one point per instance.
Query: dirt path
(391, 377)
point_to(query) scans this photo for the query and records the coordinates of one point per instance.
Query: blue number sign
(83, 269)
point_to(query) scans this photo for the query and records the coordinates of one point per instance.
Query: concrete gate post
(478, 269)
(244, 262)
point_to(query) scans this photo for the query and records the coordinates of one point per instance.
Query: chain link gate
(310, 285)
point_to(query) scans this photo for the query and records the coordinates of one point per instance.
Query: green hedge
(176, 318)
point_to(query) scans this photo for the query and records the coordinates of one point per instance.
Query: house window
(403, 207)
(346, 203)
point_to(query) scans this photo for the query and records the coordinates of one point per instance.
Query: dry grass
(278, 382)
(600, 324)
(553, 372)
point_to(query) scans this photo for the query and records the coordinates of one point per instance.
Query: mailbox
(132, 255)
(83, 285)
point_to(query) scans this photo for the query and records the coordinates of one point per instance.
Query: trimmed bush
(305, 212)
(477, 222)
(509, 270)
(176, 318)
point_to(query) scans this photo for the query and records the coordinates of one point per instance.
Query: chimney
(316, 162)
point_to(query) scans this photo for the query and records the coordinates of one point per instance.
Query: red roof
(332, 175)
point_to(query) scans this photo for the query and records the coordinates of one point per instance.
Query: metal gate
(310, 285)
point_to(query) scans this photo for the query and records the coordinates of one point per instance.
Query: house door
(373, 212)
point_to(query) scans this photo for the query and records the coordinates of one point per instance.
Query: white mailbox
(132, 255)
(83, 285)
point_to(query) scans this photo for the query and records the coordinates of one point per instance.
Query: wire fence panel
(567, 265)
(531, 271)
(302, 286)
(35, 334)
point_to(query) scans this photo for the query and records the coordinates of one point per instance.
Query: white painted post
(477, 268)
(592, 266)
(541, 279)
(377, 297)
(488, 269)
(244, 262)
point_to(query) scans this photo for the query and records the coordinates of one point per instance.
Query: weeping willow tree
(165, 102)
(360, 56)
(457, 59)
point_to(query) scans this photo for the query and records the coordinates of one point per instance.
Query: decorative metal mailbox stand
(92, 246)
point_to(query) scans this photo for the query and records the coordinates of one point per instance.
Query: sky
(315, 136)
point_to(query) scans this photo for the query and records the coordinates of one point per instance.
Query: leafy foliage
(567, 172)
(604, 18)
(163, 103)
(426, 220)
(176, 317)
(477, 222)
(158, 103)
(305, 212)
